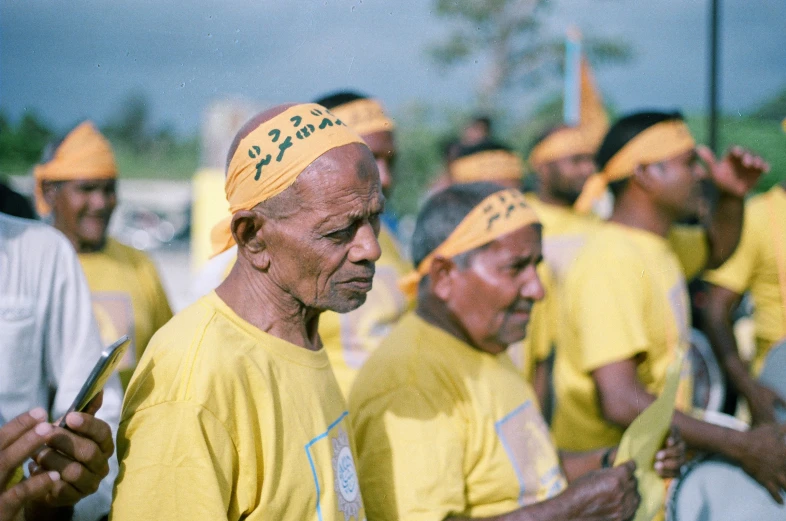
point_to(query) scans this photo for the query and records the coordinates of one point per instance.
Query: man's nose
(532, 288)
(366, 246)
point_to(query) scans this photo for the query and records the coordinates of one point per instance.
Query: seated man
(759, 266)
(625, 304)
(76, 187)
(48, 345)
(445, 427)
(234, 412)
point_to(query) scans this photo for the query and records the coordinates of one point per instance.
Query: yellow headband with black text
(498, 214)
(488, 165)
(270, 158)
(655, 144)
(364, 116)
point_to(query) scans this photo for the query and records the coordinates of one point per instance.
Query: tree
(510, 35)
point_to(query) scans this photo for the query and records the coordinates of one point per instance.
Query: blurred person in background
(446, 428)
(234, 411)
(76, 188)
(487, 161)
(49, 343)
(626, 310)
(758, 265)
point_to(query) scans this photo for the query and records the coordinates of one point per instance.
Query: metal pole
(714, 73)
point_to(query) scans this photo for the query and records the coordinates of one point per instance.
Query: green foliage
(510, 37)
(21, 146)
(773, 109)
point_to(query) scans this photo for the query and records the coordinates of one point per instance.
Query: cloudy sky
(81, 58)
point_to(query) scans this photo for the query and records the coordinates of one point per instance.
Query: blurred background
(170, 82)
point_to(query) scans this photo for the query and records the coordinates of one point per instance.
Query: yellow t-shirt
(224, 421)
(444, 429)
(349, 338)
(624, 297)
(564, 234)
(128, 298)
(754, 267)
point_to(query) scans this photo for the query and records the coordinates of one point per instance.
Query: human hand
(20, 439)
(763, 457)
(762, 401)
(80, 454)
(605, 494)
(737, 172)
(670, 459)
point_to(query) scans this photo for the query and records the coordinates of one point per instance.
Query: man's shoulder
(608, 244)
(33, 239)
(128, 254)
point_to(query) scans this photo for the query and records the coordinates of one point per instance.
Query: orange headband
(489, 165)
(497, 215)
(269, 159)
(565, 142)
(83, 154)
(658, 143)
(364, 116)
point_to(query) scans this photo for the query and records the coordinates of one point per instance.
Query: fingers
(15, 428)
(706, 155)
(34, 488)
(77, 447)
(95, 404)
(93, 429)
(25, 446)
(83, 480)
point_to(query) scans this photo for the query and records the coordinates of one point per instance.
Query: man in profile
(234, 412)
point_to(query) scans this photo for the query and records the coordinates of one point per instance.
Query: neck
(434, 311)
(640, 212)
(259, 301)
(79, 245)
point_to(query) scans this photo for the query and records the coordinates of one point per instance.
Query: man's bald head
(251, 125)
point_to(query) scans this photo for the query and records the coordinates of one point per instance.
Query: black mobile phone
(106, 365)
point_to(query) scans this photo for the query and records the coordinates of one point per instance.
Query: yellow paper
(642, 440)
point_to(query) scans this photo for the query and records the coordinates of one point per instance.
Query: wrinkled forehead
(342, 180)
(523, 243)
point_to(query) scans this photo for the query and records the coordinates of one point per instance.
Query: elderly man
(234, 412)
(349, 338)
(626, 309)
(446, 429)
(48, 345)
(76, 188)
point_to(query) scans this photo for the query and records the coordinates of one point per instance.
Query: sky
(67, 61)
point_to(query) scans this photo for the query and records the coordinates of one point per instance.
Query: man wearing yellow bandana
(349, 338)
(446, 428)
(77, 189)
(625, 307)
(234, 412)
(487, 161)
(759, 266)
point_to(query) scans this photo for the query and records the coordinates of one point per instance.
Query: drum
(709, 384)
(716, 490)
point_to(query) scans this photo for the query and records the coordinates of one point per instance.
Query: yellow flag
(644, 437)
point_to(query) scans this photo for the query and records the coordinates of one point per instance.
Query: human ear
(648, 177)
(440, 277)
(246, 227)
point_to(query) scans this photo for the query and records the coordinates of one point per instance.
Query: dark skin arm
(734, 175)
(540, 383)
(762, 400)
(761, 452)
(608, 494)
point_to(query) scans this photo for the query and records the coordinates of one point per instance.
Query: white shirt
(49, 341)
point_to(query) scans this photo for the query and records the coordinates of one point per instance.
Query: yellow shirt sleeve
(737, 272)
(690, 245)
(410, 464)
(177, 462)
(608, 306)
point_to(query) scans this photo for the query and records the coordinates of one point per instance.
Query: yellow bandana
(83, 154)
(658, 143)
(489, 165)
(269, 159)
(565, 142)
(498, 214)
(364, 116)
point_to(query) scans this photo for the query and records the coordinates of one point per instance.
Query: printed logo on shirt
(346, 487)
(115, 317)
(527, 443)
